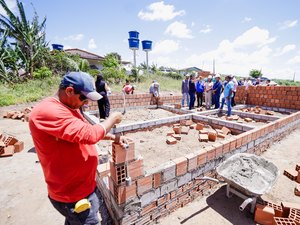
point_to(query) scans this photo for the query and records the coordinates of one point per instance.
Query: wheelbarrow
(247, 176)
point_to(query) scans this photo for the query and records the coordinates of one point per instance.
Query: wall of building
(274, 96)
(136, 100)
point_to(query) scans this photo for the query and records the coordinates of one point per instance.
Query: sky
(239, 35)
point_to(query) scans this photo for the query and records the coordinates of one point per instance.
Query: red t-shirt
(64, 142)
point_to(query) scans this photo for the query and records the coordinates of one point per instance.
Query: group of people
(103, 89)
(193, 87)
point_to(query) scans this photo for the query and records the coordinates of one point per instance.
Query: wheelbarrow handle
(210, 178)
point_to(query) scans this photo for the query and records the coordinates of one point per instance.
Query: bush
(41, 73)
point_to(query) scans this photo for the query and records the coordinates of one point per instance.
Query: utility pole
(294, 76)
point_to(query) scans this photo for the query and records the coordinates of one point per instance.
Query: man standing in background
(217, 88)
(185, 91)
(199, 91)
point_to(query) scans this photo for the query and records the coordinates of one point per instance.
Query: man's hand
(116, 117)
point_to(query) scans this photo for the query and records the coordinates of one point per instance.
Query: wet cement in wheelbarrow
(249, 171)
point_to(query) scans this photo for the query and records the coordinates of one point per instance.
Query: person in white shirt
(208, 92)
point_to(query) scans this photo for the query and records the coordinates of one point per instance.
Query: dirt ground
(23, 193)
(134, 116)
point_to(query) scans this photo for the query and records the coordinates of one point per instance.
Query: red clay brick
(156, 180)
(144, 184)
(287, 206)
(19, 146)
(264, 214)
(199, 126)
(203, 137)
(295, 216)
(201, 157)
(192, 161)
(122, 193)
(176, 136)
(171, 141)
(226, 146)
(226, 130)
(177, 129)
(8, 151)
(219, 149)
(283, 221)
(181, 165)
(136, 168)
(291, 174)
(120, 155)
(212, 135)
(210, 153)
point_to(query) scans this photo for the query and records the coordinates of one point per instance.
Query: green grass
(167, 84)
(34, 90)
(29, 91)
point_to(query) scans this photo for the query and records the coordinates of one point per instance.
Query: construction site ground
(24, 200)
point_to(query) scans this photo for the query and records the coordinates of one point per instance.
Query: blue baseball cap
(83, 83)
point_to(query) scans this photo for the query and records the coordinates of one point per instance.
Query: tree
(112, 69)
(255, 73)
(27, 37)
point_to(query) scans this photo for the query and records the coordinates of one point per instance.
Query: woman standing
(103, 104)
(208, 92)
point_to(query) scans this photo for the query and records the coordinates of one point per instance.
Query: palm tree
(29, 36)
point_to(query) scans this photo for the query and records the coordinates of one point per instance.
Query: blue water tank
(133, 43)
(57, 47)
(133, 34)
(147, 45)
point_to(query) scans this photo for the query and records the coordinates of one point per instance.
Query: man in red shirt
(65, 144)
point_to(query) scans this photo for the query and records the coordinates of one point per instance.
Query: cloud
(165, 47)
(285, 49)
(75, 37)
(288, 24)
(92, 44)
(160, 11)
(12, 5)
(294, 60)
(254, 37)
(179, 30)
(247, 51)
(206, 29)
(247, 20)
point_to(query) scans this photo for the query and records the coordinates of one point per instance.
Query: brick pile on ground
(206, 132)
(286, 213)
(18, 115)
(258, 110)
(238, 119)
(9, 145)
(294, 175)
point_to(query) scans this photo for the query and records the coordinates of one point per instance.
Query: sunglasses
(82, 97)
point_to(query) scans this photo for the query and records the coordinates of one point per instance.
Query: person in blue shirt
(228, 93)
(217, 88)
(199, 91)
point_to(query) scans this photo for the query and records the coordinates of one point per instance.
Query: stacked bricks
(135, 100)
(9, 145)
(271, 96)
(18, 115)
(124, 165)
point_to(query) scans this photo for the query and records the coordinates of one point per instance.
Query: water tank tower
(147, 47)
(134, 42)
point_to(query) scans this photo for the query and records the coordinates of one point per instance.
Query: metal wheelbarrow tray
(248, 176)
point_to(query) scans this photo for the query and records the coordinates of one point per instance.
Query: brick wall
(272, 96)
(172, 185)
(136, 100)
